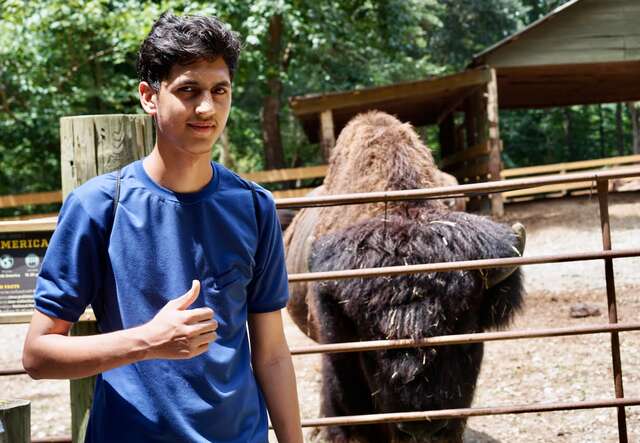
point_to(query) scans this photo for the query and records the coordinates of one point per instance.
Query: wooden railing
(309, 172)
(561, 168)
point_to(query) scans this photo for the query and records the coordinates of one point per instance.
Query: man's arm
(174, 333)
(273, 368)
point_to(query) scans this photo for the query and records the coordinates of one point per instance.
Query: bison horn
(496, 276)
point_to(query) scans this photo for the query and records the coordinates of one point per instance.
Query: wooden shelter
(470, 150)
(584, 52)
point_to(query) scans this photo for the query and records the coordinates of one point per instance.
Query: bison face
(412, 306)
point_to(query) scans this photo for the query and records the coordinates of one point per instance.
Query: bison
(376, 152)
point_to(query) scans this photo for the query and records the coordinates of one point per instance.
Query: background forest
(71, 57)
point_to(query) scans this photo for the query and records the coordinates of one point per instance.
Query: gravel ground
(514, 372)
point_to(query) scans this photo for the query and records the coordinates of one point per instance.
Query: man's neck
(179, 172)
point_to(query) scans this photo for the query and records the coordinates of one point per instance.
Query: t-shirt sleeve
(268, 290)
(71, 274)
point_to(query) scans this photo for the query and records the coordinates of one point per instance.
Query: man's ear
(148, 98)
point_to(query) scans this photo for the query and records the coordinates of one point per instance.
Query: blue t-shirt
(128, 267)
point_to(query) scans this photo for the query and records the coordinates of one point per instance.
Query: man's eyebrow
(189, 82)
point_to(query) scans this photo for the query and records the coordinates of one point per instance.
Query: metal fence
(600, 186)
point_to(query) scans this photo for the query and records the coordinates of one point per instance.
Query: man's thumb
(187, 299)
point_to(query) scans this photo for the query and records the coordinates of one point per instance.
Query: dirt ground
(516, 372)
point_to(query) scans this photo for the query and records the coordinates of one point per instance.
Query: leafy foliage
(73, 57)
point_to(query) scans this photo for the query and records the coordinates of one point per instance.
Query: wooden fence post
(495, 146)
(91, 145)
(327, 134)
(15, 421)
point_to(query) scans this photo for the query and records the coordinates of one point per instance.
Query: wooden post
(495, 161)
(327, 134)
(15, 421)
(81, 390)
(446, 138)
(89, 146)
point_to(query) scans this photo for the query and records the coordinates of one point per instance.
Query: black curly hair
(183, 40)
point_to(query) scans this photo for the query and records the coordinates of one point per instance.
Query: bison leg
(344, 385)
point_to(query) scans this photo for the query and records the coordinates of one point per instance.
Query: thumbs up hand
(180, 333)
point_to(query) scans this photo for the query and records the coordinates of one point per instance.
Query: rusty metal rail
(462, 339)
(444, 414)
(9, 372)
(462, 265)
(455, 191)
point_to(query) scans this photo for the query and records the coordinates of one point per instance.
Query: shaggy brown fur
(374, 152)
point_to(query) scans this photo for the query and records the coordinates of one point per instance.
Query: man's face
(192, 106)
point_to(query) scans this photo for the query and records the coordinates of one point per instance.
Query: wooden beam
(281, 175)
(327, 134)
(33, 198)
(564, 187)
(570, 166)
(12, 318)
(495, 162)
(289, 193)
(42, 224)
(563, 85)
(316, 103)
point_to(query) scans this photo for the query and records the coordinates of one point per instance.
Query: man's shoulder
(99, 187)
(231, 180)
(95, 197)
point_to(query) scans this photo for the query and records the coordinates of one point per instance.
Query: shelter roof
(585, 51)
(419, 102)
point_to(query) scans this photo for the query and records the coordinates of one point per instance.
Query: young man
(174, 271)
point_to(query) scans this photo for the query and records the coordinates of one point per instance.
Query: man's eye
(221, 91)
(186, 89)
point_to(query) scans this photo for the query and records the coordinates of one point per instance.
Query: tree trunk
(272, 139)
(633, 112)
(619, 130)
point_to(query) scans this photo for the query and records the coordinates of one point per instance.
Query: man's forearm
(64, 357)
(175, 332)
(278, 384)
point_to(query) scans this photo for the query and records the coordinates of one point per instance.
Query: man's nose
(206, 105)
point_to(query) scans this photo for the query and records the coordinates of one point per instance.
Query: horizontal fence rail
(462, 339)
(463, 265)
(444, 414)
(455, 191)
(443, 340)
